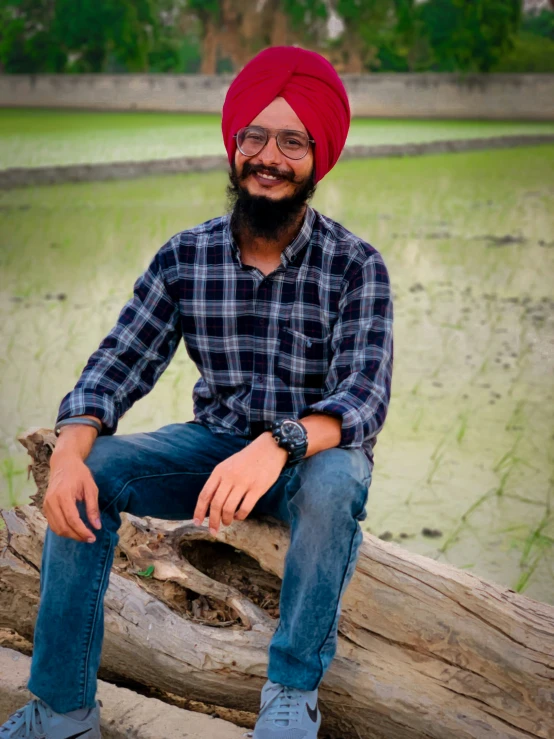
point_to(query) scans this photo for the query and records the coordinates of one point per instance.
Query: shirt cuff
(86, 403)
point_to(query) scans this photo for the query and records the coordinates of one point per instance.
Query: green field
(35, 138)
(468, 239)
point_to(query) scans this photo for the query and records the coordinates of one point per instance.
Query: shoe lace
(32, 717)
(286, 706)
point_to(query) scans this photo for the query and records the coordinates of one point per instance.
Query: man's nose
(271, 153)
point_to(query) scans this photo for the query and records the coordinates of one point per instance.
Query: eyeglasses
(252, 139)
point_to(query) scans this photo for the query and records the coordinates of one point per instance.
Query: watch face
(292, 431)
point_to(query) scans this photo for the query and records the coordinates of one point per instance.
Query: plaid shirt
(314, 336)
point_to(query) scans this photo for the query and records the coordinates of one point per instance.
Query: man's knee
(110, 467)
(335, 478)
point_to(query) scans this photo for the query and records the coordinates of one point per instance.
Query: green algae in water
(36, 137)
(468, 444)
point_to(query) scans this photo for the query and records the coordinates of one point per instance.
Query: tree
(404, 46)
(365, 24)
(78, 35)
(540, 24)
(208, 13)
(97, 31)
(470, 36)
(27, 44)
(176, 45)
(212, 36)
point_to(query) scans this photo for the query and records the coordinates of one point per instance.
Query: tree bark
(209, 46)
(425, 650)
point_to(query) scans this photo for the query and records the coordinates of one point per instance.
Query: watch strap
(78, 421)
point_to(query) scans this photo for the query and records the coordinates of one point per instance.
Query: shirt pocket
(303, 361)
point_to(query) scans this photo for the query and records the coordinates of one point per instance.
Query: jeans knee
(107, 466)
(334, 481)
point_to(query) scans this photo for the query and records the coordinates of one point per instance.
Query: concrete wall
(508, 96)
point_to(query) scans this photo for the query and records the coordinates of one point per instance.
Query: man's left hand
(244, 476)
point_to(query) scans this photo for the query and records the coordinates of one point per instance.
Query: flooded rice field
(37, 138)
(465, 466)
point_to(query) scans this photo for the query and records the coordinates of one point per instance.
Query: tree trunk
(425, 650)
(209, 46)
(279, 28)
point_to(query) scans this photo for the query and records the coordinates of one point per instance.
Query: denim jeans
(161, 474)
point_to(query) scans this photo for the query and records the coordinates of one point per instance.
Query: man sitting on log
(288, 317)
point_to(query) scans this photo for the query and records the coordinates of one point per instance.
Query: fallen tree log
(425, 650)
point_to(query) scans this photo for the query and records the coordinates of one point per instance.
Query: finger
(91, 502)
(217, 504)
(231, 504)
(248, 503)
(53, 515)
(205, 497)
(75, 527)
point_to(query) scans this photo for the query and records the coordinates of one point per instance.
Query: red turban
(309, 84)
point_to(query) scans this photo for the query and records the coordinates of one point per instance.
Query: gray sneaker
(36, 720)
(287, 713)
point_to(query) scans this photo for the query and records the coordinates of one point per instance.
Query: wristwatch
(292, 436)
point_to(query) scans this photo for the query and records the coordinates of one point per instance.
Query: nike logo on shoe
(74, 736)
(312, 712)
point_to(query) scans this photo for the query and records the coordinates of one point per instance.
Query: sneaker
(36, 720)
(287, 713)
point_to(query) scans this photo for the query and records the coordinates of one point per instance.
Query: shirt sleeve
(131, 358)
(358, 384)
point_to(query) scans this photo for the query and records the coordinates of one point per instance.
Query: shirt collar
(290, 252)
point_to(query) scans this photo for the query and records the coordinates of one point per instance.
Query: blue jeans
(161, 474)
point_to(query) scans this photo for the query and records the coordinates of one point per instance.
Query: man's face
(291, 174)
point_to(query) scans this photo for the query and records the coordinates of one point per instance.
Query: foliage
(540, 24)
(26, 41)
(83, 35)
(365, 21)
(438, 35)
(95, 31)
(304, 12)
(531, 54)
(469, 36)
(213, 35)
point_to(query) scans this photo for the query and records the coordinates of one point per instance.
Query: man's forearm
(75, 440)
(324, 432)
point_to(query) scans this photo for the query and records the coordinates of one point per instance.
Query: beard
(263, 217)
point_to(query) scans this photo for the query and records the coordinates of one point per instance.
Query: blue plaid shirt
(314, 336)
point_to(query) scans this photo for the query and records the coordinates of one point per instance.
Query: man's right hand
(70, 481)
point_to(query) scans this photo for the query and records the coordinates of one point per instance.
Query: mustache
(249, 169)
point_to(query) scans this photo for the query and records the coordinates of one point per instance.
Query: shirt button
(259, 378)
(261, 321)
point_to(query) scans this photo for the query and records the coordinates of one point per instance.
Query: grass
(467, 446)
(9, 472)
(40, 137)
(537, 546)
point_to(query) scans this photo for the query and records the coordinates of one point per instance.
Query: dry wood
(425, 650)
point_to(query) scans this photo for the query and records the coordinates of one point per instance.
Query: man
(288, 317)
